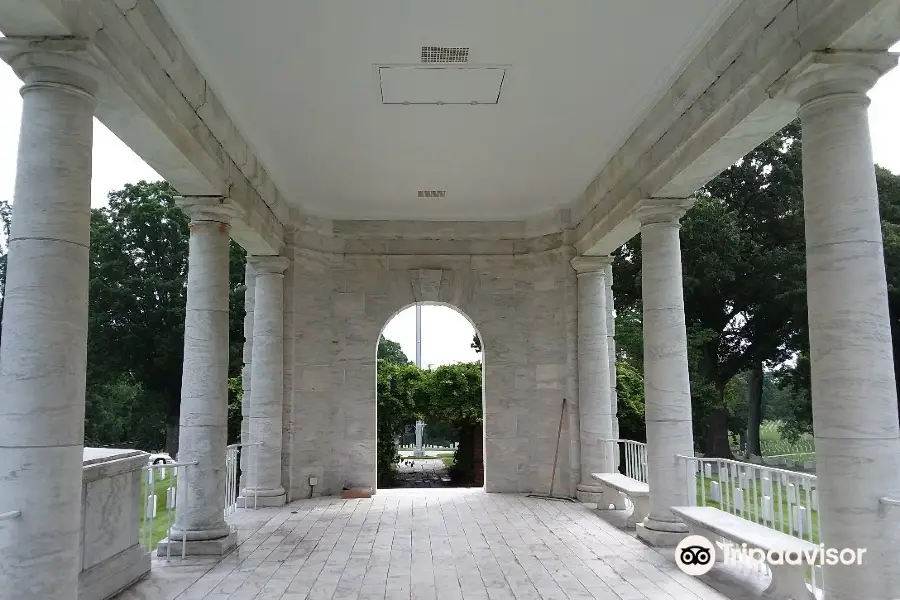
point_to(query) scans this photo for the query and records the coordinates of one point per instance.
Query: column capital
(591, 264)
(842, 74)
(662, 211)
(60, 62)
(262, 265)
(208, 208)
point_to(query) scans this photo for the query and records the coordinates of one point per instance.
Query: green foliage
(390, 351)
(138, 272)
(630, 396)
(235, 396)
(453, 394)
(119, 411)
(398, 388)
(743, 264)
(449, 396)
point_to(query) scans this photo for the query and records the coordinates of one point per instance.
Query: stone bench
(636, 491)
(788, 581)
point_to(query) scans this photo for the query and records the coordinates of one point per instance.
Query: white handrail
(635, 454)
(233, 454)
(779, 499)
(150, 502)
(13, 514)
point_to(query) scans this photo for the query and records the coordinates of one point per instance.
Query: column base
(214, 547)
(418, 453)
(660, 533)
(249, 501)
(589, 494)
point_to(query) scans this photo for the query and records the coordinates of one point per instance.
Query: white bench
(636, 491)
(788, 581)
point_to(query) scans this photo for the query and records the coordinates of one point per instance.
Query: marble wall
(523, 305)
(111, 555)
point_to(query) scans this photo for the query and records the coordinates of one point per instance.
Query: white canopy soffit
(507, 108)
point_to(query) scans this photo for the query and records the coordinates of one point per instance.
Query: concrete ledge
(108, 578)
(217, 547)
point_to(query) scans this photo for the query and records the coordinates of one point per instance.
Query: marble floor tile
(426, 544)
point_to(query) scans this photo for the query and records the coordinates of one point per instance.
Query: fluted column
(263, 481)
(667, 389)
(43, 352)
(204, 383)
(595, 419)
(853, 390)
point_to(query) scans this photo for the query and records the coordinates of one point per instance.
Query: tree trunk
(717, 445)
(172, 437)
(754, 401)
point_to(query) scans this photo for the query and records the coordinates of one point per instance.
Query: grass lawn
(781, 517)
(160, 524)
(449, 461)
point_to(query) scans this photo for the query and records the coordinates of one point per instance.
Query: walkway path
(454, 544)
(422, 473)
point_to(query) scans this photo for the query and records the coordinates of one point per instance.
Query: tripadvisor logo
(695, 555)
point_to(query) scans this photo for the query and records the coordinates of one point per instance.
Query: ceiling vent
(440, 54)
(432, 193)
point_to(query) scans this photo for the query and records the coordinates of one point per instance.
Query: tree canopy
(138, 292)
(390, 351)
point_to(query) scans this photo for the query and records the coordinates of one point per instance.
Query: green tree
(399, 387)
(138, 272)
(743, 273)
(390, 351)
(630, 398)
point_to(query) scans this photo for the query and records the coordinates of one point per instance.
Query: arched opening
(430, 399)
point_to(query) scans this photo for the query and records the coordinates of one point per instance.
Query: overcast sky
(446, 334)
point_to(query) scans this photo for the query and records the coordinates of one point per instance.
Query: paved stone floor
(422, 473)
(426, 544)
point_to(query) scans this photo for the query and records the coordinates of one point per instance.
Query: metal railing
(160, 496)
(783, 500)
(233, 476)
(635, 455)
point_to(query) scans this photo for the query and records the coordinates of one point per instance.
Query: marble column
(667, 389)
(853, 389)
(43, 353)
(247, 370)
(263, 482)
(595, 419)
(204, 383)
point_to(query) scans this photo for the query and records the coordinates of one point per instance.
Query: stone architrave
(854, 399)
(200, 506)
(667, 388)
(594, 408)
(43, 355)
(263, 480)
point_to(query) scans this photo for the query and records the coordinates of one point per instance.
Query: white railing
(233, 477)
(160, 494)
(635, 454)
(783, 500)
(12, 514)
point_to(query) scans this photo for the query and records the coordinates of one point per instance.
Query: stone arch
(521, 305)
(483, 359)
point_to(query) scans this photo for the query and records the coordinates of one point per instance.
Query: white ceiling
(301, 81)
